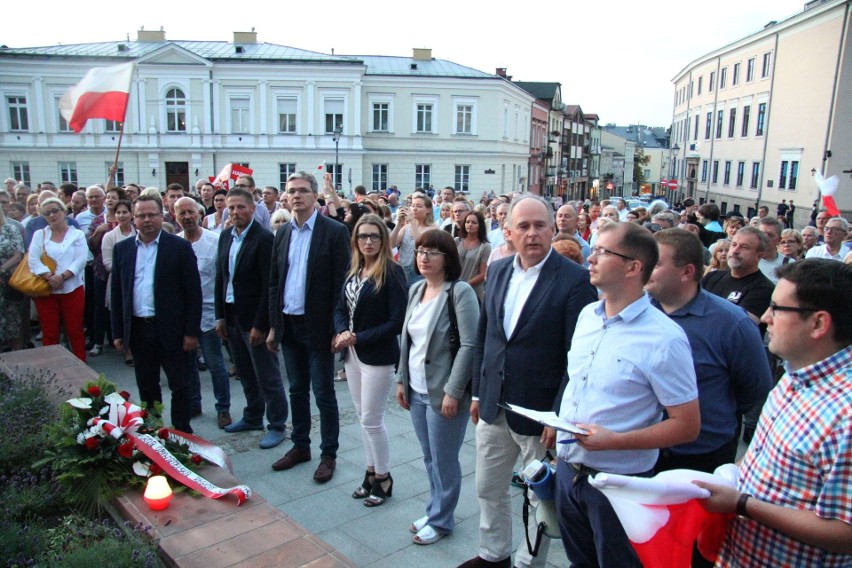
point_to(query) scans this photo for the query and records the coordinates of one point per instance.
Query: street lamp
(338, 130)
(676, 150)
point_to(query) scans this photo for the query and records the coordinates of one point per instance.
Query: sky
(613, 57)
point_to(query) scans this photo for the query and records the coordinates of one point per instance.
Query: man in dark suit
(156, 308)
(531, 306)
(310, 258)
(242, 317)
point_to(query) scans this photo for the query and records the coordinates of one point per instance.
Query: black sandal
(381, 490)
(366, 485)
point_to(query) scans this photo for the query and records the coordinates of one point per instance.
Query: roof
(212, 50)
(408, 66)
(637, 134)
(545, 91)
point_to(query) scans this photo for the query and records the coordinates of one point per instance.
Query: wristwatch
(741, 505)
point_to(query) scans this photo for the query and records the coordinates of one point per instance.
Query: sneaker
(95, 351)
(223, 419)
(242, 426)
(272, 438)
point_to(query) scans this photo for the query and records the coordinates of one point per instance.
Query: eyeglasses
(298, 191)
(773, 307)
(428, 254)
(600, 251)
(51, 212)
(373, 238)
(829, 229)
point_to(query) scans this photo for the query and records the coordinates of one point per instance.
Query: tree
(639, 160)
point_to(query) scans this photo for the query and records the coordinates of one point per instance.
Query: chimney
(501, 72)
(422, 54)
(150, 35)
(245, 37)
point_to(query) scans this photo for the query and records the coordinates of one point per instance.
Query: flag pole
(118, 149)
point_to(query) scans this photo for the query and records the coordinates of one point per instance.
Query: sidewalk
(374, 537)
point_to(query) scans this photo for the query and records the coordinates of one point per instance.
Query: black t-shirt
(752, 293)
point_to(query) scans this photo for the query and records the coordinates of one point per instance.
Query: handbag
(28, 283)
(455, 340)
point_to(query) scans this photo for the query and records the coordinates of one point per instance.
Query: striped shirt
(801, 458)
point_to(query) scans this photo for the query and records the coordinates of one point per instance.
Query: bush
(77, 542)
(21, 543)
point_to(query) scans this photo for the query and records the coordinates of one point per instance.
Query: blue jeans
(260, 377)
(211, 348)
(309, 368)
(441, 439)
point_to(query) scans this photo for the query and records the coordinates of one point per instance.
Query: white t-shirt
(418, 333)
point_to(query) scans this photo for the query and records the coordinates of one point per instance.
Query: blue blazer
(377, 319)
(529, 367)
(328, 261)
(177, 291)
(251, 277)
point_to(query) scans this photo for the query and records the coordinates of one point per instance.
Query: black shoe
(364, 490)
(381, 490)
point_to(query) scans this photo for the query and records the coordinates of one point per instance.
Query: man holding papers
(627, 364)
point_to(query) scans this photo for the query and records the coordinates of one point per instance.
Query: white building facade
(197, 106)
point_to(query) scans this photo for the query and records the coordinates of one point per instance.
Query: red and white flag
(103, 93)
(662, 515)
(828, 188)
(231, 172)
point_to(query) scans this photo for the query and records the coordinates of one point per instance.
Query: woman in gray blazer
(433, 383)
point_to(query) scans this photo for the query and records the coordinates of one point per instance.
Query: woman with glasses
(214, 221)
(66, 246)
(433, 381)
(411, 222)
(474, 250)
(791, 244)
(367, 319)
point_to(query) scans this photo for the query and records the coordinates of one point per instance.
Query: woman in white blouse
(124, 230)
(214, 222)
(433, 381)
(64, 306)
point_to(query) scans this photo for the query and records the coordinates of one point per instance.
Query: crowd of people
(666, 335)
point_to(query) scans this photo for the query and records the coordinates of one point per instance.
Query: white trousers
(370, 387)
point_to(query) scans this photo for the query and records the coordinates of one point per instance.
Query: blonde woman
(791, 244)
(719, 260)
(367, 319)
(412, 222)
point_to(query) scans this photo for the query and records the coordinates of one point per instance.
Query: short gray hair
(307, 177)
(844, 224)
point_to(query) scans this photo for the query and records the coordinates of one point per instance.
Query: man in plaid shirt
(794, 492)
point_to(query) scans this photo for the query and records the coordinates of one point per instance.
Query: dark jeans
(591, 532)
(211, 348)
(309, 368)
(707, 462)
(260, 377)
(149, 356)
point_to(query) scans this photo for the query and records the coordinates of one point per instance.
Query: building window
(755, 174)
(21, 172)
(333, 114)
(761, 118)
(336, 171)
(422, 176)
(708, 126)
(704, 170)
(284, 173)
(727, 178)
(782, 176)
(380, 177)
(240, 121)
(63, 124)
(381, 113)
(715, 171)
(424, 117)
(767, 61)
(723, 77)
(462, 178)
(287, 107)
(750, 70)
(112, 126)
(732, 122)
(794, 174)
(68, 172)
(18, 118)
(740, 173)
(719, 119)
(175, 111)
(712, 82)
(464, 119)
(746, 112)
(700, 84)
(118, 180)
(735, 75)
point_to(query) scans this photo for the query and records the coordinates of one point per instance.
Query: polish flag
(663, 517)
(828, 188)
(230, 173)
(103, 93)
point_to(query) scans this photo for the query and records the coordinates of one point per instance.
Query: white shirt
(520, 286)
(768, 266)
(233, 252)
(296, 284)
(205, 249)
(70, 254)
(495, 237)
(418, 333)
(821, 251)
(143, 278)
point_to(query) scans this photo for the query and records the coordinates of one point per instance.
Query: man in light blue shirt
(628, 365)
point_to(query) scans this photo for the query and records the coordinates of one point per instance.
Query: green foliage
(21, 542)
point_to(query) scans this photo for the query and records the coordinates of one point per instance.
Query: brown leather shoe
(223, 419)
(480, 562)
(295, 456)
(325, 470)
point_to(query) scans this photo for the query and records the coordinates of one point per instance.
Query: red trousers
(66, 309)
